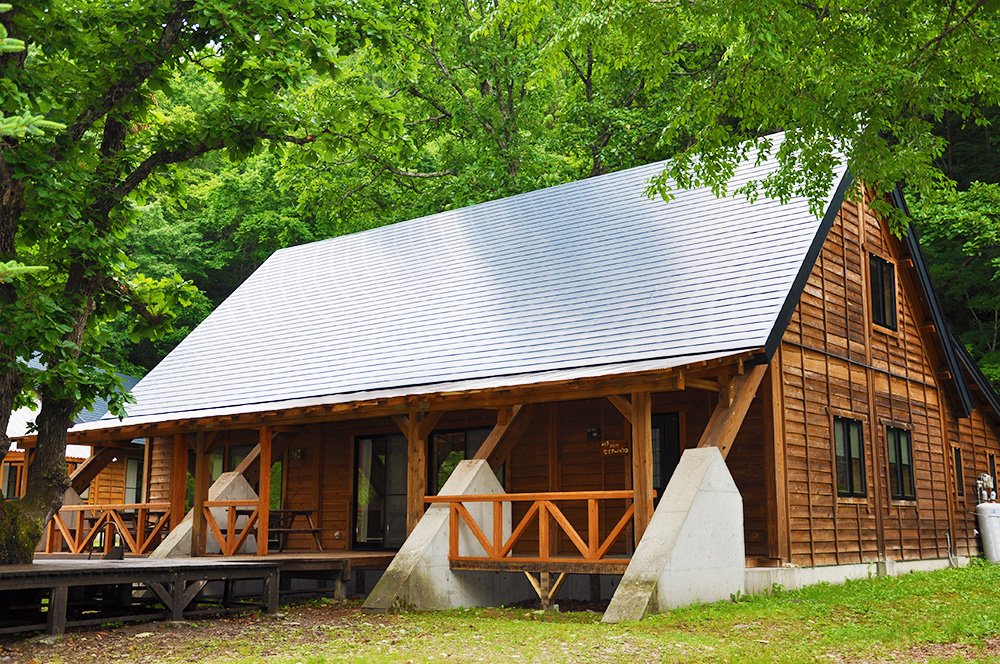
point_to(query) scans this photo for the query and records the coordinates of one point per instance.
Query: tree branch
(125, 86)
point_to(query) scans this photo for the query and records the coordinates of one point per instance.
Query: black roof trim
(972, 369)
(947, 340)
(799, 285)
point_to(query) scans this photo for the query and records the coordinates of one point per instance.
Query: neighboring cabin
(581, 338)
(119, 480)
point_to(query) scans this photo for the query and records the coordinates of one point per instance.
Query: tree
(960, 233)
(868, 81)
(66, 196)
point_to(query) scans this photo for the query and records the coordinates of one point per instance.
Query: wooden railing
(140, 526)
(232, 540)
(499, 548)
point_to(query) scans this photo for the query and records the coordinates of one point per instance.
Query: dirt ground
(132, 642)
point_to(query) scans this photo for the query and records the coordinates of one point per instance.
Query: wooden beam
(622, 405)
(642, 461)
(91, 468)
(250, 466)
(501, 440)
(671, 380)
(249, 461)
(726, 420)
(702, 384)
(427, 422)
(201, 480)
(178, 479)
(727, 390)
(264, 491)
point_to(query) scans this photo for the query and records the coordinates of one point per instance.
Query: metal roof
(585, 274)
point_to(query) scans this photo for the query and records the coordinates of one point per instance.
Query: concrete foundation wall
(764, 580)
(693, 549)
(229, 486)
(420, 576)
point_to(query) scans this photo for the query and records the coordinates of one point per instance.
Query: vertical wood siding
(835, 362)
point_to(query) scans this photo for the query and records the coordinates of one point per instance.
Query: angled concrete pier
(693, 549)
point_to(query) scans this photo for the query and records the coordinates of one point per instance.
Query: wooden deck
(58, 591)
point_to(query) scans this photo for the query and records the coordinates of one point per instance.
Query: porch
(578, 466)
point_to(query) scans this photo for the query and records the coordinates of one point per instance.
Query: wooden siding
(835, 362)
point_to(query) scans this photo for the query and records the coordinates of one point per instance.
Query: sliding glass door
(380, 492)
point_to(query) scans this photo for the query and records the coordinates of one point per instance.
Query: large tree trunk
(22, 522)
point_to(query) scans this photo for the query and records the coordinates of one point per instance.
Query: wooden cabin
(580, 338)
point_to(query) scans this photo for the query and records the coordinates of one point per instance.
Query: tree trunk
(22, 522)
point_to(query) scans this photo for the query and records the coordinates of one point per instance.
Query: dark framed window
(447, 449)
(900, 449)
(959, 475)
(993, 469)
(882, 274)
(849, 445)
(666, 449)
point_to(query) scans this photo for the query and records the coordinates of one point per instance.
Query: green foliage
(960, 234)
(871, 84)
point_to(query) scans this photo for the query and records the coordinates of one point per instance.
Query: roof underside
(587, 274)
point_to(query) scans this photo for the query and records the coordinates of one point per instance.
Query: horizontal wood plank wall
(835, 362)
(160, 455)
(109, 485)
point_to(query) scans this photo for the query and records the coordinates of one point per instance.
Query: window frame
(956, 456)
(878, 267)
(894, 443)
(844, 424)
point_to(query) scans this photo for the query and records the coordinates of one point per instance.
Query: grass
(945, 616)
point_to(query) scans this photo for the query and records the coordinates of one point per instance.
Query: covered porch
(580, 463)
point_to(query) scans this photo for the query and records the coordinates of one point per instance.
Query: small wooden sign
(614, 447)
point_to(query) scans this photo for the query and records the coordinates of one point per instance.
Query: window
(959, 475)
(900, 448)
(133, 480)
(447, 449)
(666, 449)
(849, 446)
(883, 283)
(993, 469)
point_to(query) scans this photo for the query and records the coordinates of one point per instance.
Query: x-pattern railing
(551, 520)
(234, 537)
(140, 526)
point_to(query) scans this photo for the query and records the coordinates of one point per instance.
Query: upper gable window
(883, 281)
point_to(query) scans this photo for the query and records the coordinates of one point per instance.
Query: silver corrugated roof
(580, 275)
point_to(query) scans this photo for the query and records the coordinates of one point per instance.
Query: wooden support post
(544, 586)
(417, 429)
(201, 479)
(726, 419)
(778, 544)
(55, 618)
(642, 460)
(264, 491)
(178, 479)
